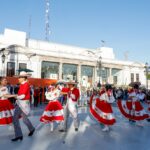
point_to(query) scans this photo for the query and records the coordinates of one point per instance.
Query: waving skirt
(6, 112)
(102, 111)
(132, 110)
(52, 112)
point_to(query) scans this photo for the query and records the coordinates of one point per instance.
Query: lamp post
(146, 71)
(3, 55)
(3, 58)
(99, 65)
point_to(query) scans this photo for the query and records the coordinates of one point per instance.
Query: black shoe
(62, 130)
(131, 120)
(76, 129)
(17, 138)
(148, 120)
(31, 132)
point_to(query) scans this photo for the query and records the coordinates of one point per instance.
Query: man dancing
(71, 106)
(22, 108)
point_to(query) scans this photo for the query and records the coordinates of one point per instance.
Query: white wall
(14, 37)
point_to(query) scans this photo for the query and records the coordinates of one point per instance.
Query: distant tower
(47, 28)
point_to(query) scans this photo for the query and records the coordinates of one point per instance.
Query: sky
(124, 25)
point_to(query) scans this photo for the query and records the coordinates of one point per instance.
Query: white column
(110, 80)
(94, 75)
(79, 73)
(3, 69)
(60, 71)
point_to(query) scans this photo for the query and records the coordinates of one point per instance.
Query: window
(86, 75)
(103, 74)
(137, 77)
(132, 77)
(10, 69)
(115, 79)
(50, 70)
(22, 66)
(69, 72)
(115, 71)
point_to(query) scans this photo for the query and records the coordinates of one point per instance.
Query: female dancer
(6, 107)
(101, 109)
(132, 108)
(54, 110)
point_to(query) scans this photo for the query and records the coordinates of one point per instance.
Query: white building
(65, 62)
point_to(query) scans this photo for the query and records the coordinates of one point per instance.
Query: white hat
(71, 82)
(24, 74)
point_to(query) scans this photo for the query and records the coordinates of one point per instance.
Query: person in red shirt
(73, 95)
(22, 107)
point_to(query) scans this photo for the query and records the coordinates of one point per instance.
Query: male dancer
(22, 107)
(71, 106)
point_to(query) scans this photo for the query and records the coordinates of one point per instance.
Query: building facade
(64, 62)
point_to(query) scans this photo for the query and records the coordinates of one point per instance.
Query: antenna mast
(47, 29)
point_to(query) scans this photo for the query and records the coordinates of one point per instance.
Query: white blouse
(53, 95)
(3, 91)
(105, 97)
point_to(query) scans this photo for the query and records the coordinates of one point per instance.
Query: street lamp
(3, 58)
(146, 71)
(3, 55)
(99, 65)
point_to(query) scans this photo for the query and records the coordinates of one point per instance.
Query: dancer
(54, 110)
(101, 109)
(6, 107)
(132, 108)
(71, 106)
(22, 107)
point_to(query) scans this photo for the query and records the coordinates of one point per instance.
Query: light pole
(146, 71)
(3, 57)
(99, 65)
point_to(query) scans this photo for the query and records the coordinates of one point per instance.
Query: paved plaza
(122, 136)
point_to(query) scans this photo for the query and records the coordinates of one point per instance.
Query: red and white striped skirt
(52, 112)
(132, 110)
(6, 112)
(102, 111)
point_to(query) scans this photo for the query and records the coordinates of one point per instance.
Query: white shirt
(3, 91)
(53, 95)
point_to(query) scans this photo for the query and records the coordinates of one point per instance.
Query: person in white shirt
(6, 107)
